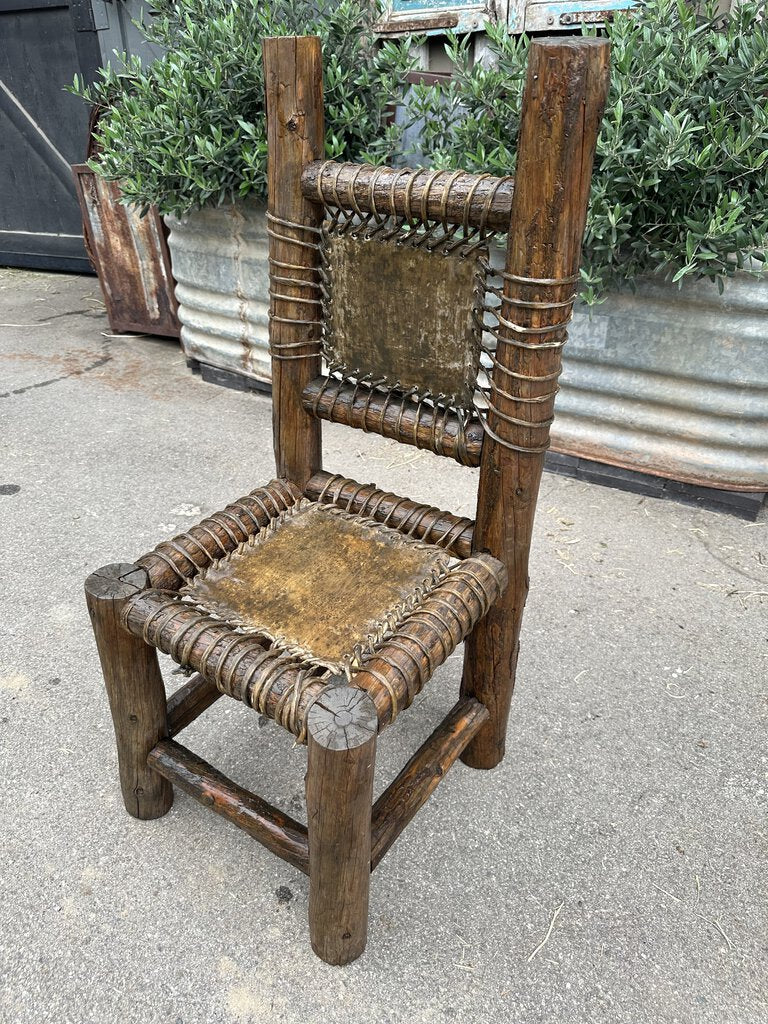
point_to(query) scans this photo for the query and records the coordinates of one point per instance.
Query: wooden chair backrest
(543, 215)
(319, 211)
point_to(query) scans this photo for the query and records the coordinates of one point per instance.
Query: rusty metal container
(219, 258)
(130, 255)
(672, 382)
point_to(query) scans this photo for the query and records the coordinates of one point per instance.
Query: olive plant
(189, 130)
(680, 185)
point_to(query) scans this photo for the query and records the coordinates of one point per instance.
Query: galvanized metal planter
(667, 381)
(672, 382)
(219, 259)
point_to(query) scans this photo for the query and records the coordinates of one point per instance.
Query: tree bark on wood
(342, 749)
(134, 687)
(565, 92)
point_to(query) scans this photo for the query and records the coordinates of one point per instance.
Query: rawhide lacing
(412, 229)
(496, 380)
(292, 274)
(419, 522)
(495, 325)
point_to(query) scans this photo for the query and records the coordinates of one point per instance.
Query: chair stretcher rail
(419, 778)
(190, 701)
(268, 825)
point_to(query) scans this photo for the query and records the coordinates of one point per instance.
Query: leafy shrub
(680, 185)
(189, 129)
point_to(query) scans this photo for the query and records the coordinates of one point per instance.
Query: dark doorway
(42, 131)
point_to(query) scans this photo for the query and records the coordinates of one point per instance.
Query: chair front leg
(341, 740)
(134, 687)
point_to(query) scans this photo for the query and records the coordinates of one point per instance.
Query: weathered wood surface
(293, 78)
(565, 92)
(130, 255)
(424, 522)
(398, 804)
(342, 749)
(409, 422)
(402, 192)
(172, 563)
(134, 687)
(189, 702)
(263, 822)
(405, 661)
(243, 669)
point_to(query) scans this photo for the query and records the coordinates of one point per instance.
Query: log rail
(190, 701)
(423, 522)
(446, 196)
(287, 838)
(398, 804)
(263, 822)
(173, 562)
(398, 417)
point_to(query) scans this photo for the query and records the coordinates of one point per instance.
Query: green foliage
(189, 129)
(680, 185)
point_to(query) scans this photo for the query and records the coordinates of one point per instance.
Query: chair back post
(566, 86)
(293, 78)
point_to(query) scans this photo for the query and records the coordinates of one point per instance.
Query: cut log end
(116, 582)
(344, 718)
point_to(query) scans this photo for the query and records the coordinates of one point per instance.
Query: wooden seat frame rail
(347, 834)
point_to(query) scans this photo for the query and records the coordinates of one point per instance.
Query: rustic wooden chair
(326, 604)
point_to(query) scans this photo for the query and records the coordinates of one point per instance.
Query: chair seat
(321, 583)
(277, 596)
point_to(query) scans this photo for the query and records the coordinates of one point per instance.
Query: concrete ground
(613, 869)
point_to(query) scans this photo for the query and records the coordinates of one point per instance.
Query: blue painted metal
(408, 6)
(436, 16)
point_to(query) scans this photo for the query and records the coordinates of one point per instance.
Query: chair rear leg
(134, 687)
(566, 86)
(491, 649)
(341, 732)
